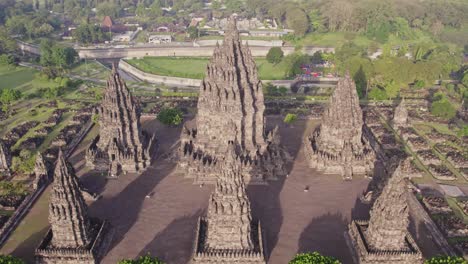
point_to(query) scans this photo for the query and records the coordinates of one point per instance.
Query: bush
(378, 94)
(8, 59)
(445, 260)
(463, 131)
(7, 259)
(25, 162)
(170, 116)
(271, 90)
(313, 258)
(418, 84)
(290, 118)
(142, 260)
(275, 55)
(443, 108)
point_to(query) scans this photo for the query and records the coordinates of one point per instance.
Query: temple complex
(400, 117)
(385, 237)
(41, 173)
(338, 145)
(228, 234)
(5, 159)
(74, 237)
(121, 146)
(230, 110)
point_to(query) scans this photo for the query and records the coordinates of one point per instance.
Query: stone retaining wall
(153, 78)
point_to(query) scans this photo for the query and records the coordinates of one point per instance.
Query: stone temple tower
(400, 117)
(338, 145)
(121, 146)
(5, 159)
(74, 237)
(228, 234)
(230, 110)
(385, 237)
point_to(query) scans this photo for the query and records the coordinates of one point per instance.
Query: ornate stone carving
(230, 110)
(400, 117)
(121, 145)
(228, 234)
(74, 237)
(385, 237)
(5, 159)
(338, 145)
(41, 174)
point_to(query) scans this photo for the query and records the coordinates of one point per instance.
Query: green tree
(317, 23)
(193, 32)
(297, 20)
(443, 108)
(464, 79)
(170, 116)
(25, 162)
(313, 258)
(8, 59)
(108, 9)
(290, 118)
(377, 93)
(361, 82)
(8, 96)
(142, 260)
(87, 33)
(445, 260)
(8, 259)
(275, 55)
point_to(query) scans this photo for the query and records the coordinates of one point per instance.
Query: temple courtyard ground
(157, 212)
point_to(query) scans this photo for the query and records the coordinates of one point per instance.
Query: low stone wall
(153, 78)
(258, 48)
(260, 43)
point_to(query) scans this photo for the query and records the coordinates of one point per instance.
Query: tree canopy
(142, 260)
(313, 258)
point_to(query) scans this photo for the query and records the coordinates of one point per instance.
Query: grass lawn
(91, 69)
(194, 68)
(23, 79)
(334, 39)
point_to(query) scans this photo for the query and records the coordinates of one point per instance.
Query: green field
(22, 79)
(194, 68)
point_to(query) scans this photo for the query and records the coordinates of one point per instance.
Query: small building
(127, 36)
(160, 39)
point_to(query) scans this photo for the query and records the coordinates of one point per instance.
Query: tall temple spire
(338, 146)
(230, 109)
(228, 234)
(67, 209)
(385, 237)
(229, 214)
(120, 146)
(389, 217)
(74, 237)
